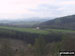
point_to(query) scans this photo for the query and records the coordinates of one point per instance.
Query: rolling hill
(67, 22)
(22, 22)
(28, 35)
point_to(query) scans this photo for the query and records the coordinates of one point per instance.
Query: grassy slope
(61, 30)
(33, 30)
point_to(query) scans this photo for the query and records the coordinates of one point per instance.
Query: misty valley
(41, 37)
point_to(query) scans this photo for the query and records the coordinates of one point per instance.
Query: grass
(33, 30)
(61, 30)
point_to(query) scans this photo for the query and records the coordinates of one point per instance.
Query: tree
(40, 47)
(6, 49)
(68, 43)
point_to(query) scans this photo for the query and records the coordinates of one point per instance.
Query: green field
(61, 30)
(30, 30)
(33, 30)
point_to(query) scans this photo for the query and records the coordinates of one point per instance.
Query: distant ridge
(67, 22)
(23, 22)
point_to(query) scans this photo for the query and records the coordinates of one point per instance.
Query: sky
(13, 9)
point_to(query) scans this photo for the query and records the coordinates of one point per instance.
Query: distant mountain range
(67, 22)
(23, 22)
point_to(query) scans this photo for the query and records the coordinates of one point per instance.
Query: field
(30, 34)
(30, 30)
(25, 40)
(38, 31)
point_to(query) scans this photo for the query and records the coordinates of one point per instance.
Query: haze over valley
(37, 27)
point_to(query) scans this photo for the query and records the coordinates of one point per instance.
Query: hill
(67, 22)
(22, 22)
(29, 35)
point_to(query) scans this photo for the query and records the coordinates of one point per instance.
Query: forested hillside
(67, 22)
(29, 35)
(34, 42)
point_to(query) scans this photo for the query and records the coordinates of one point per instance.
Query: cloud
(36, 8)
(56, 9)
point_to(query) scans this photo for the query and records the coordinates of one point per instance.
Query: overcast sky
(36, 8)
